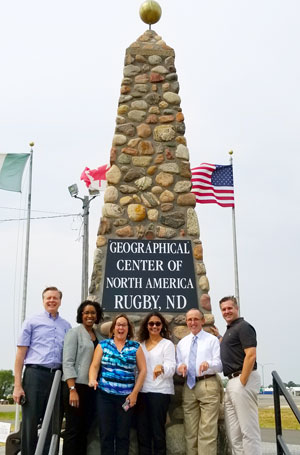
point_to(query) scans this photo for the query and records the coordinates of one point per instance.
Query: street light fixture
(86, 200)
(73, 190)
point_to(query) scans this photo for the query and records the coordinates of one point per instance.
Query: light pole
(262, 365)
(86, 200)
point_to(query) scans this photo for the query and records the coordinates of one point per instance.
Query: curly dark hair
(144, 333)
(82, 306)
(130, 333)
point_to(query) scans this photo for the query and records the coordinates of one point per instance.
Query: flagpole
(235, 258)
(25, 279)
(24, 300)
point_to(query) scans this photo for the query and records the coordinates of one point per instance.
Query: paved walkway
(268, 448)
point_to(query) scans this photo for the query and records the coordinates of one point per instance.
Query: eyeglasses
(154, 323)
(86, 313)
(121, 325)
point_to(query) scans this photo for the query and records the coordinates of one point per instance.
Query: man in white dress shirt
(198, 360)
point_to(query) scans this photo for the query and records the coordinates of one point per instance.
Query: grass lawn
(8, 416)
(288, 420)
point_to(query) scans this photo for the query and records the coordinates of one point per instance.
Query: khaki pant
(201, 413)
(241, 415)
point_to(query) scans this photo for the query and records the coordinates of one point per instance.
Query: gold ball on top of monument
(150, 12)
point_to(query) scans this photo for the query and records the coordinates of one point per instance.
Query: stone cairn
(149, 189)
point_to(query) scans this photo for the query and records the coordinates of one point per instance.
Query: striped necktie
(191, 376)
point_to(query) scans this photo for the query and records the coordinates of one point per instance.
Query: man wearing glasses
(198, 360)
(40, 350)
(238, 354)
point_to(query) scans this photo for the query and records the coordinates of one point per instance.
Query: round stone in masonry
(136, 212)
(144, 130)
(133, 173)
(136, 94)
(150, 200)
(119, 139)
(182, 186)
(145, 148)
(152, 98)
(166, 196)
(139, 104)
(127, 128)
(125, 231)
(143, 183)
(120, 120)
(164, 179)
(164, 133)
(112, 210)
(159, 69)
(120, 222)
(154, 59)
(192, 223)
(152, 214)
(187, 199)
(172, 98)
(111, 194)
(171, 168)
(174, 219)
(142, 161)
(151, 170)
(166, 206)
(131, 70)
(129, 151)
(166, 233)
(124, 159)
(141, 79)
(125, 200)
(113, 175)
(140, 58)
(127, 189)
(124, 98)
(143, 88)
(171, 77)
(136, 115)
(134, 142)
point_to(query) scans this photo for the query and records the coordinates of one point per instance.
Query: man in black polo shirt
(238, 355)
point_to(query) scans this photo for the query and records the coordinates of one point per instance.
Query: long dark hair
(144, 333)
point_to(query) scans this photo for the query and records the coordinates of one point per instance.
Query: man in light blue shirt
(40, 350)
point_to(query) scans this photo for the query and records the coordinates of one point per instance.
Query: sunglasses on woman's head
(153, 323)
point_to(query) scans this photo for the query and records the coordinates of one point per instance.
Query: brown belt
(234, 375)
(205, 376)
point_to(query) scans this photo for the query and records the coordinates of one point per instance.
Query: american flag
(213, 183)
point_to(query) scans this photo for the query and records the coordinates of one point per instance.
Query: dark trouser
(114, 424)
(37, 385)
(151, 410)
(78, 420)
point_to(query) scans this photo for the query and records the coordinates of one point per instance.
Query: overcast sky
(239, 72)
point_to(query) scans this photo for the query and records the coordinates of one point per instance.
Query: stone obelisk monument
(149, 254)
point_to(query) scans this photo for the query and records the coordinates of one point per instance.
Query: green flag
(11, 170)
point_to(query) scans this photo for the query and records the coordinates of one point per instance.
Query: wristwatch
(72, 388)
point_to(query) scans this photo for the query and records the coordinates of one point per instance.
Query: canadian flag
(95, 179)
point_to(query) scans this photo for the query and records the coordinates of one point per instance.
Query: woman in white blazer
(79, 399)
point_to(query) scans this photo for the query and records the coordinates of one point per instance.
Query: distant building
(295, 391)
